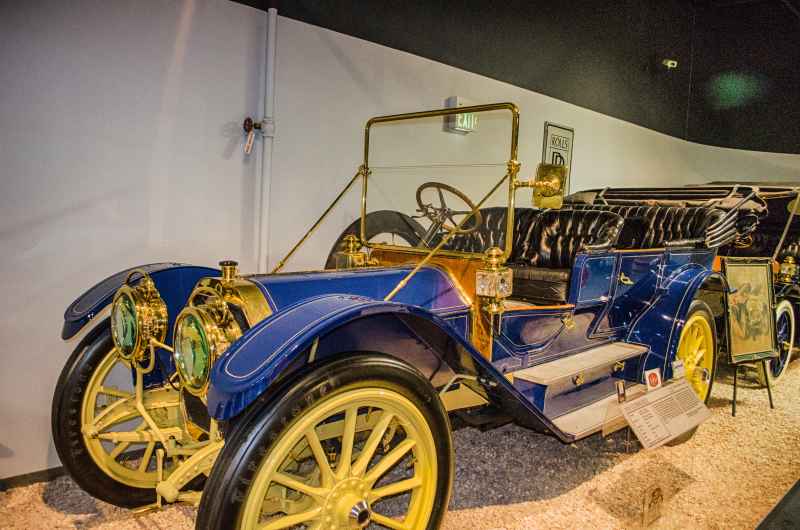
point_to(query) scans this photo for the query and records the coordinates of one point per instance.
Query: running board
(591, 418)
(549, 373)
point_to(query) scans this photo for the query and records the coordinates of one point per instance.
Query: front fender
(274, 347)
(661, 325)
(173, 280)
(259, 356)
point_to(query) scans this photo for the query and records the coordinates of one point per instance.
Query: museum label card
(664, 413)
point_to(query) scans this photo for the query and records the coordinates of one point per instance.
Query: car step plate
(549, 373)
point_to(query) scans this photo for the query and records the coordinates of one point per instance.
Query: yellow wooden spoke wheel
(374, 451)
(697, 349)
(335, 462)
(101, 437)
(113, 429)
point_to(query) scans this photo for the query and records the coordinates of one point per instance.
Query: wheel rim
(363, 456)
(783, 332)
(116, 413)
(696, 350)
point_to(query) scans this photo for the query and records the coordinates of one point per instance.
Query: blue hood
(430, 287)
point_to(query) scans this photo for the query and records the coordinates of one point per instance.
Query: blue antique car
(325, 399)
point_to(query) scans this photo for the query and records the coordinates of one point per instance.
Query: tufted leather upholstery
(491, 232)
(654, 226)
(544, 247)
(556, 236)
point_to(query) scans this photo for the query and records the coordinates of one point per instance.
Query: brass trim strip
(361, 172)
(448, 112)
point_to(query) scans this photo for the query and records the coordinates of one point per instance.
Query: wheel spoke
(699, 355)
(326, 473)
(118, 412)
(375, 437)
(395, 488)
(388, 522)
(289, 521)
(389, 461)
(120, 447)
(116, 392)
(148, 453)
(348, 438)
(441, 198)
(298, 485)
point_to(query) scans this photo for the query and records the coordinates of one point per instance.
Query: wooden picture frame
(750, 309)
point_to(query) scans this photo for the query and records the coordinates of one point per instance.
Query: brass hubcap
(346, 504)
(360, 514)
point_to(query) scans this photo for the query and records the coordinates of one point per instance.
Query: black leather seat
(544, 247)
(649, 226)
(490, 233)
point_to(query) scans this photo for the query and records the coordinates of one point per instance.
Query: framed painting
(751, 319)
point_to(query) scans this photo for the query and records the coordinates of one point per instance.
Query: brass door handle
(624, 280)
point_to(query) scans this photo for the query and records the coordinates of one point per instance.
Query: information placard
(664, 414)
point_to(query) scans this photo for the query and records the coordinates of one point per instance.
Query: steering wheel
(439, 215)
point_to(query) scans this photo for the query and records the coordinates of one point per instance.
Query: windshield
(425, 179)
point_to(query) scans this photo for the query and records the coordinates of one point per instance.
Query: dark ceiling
(738, 60)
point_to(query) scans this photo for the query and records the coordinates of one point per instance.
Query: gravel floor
(728, 476)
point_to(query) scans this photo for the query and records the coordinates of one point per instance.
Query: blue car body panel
(660, 325)
(430, 287)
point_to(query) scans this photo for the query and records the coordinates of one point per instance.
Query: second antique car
(324, 399)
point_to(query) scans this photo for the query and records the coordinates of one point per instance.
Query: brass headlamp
(138, 314)
(788, 270)
(207, 326)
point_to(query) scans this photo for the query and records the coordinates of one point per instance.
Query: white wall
(120, 144)
(329, 84)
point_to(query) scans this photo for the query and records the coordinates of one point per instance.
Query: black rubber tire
(66, 425)
(380, 222)
(253, 436)
(696, 307)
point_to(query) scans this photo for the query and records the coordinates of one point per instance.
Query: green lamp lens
(123, 325)
(192, 353)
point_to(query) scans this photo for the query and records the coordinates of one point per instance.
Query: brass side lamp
(493, 282)
(351, 256)
(548, 185)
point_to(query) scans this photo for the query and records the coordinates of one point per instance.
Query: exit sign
(466, 122)
(460, 123)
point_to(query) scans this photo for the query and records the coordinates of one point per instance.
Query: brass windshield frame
(510, 174)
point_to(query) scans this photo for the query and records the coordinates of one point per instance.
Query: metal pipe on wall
(268, 132)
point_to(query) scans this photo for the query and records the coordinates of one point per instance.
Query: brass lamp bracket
(547, 184)
(351, 256)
